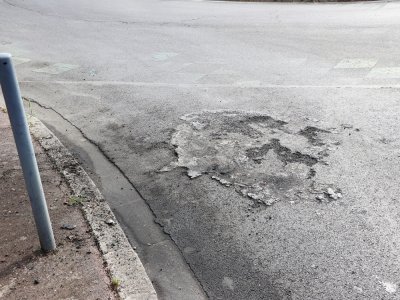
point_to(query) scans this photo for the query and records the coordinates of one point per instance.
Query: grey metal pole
(19, 124)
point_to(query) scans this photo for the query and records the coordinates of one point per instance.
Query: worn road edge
(121, 260)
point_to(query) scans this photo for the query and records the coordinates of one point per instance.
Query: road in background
(263, 136)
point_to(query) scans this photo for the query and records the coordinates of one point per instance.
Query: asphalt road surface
(250, 150)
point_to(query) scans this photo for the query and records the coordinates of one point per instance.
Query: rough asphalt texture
(300, 103)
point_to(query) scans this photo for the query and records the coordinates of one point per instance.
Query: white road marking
(161, 56)
(385, 73)
(55, 69)
(356, 63)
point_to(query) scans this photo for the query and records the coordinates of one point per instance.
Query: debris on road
(193, 174)
(264, 159)
(68, 226)
(332, 194)
(110, 222)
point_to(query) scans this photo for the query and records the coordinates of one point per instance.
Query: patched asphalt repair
(261, 158)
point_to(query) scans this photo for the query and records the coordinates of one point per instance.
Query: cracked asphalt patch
(262, 158)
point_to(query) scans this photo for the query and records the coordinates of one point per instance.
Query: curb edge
(121, 260)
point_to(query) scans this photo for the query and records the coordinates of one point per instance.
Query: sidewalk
(77, 269)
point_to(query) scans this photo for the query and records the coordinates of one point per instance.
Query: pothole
(262, 158)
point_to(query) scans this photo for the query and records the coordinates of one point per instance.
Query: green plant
(115, 283)
(30, 107)
(76, 200)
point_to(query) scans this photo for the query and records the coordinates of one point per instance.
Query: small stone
(165, 169)
(339, 195)
(270, 201)
(258, 159)
(330, 191)
(198, 126)
(390, 287)
(193, 174)
(225, 182)
(68, 226)
(110, 222)
(320, 197)
(254, 196)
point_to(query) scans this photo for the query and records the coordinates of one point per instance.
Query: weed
(76, 200)
(30, 107)
(115, 283)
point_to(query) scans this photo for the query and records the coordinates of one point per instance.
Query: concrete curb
(121, 260)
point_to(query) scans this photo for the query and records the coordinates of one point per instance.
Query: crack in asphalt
(102, 151)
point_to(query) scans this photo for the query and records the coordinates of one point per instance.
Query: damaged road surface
(261, 158)
(267, 208)
(264, 207)
(249, 150)
(278, 204)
